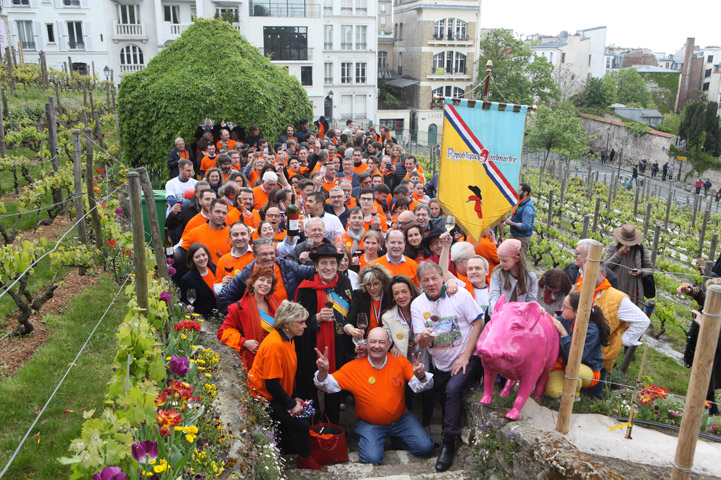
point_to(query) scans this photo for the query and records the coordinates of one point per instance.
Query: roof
(653, 69)
(552, 44)
(651, 114)
(621, 124)
(402, 82)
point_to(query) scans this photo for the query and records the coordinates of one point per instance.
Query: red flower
(649, 394)
(167, 419)
(99, 170)
(161, 399)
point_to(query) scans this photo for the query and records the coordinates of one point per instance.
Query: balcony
(464, 41)
(274, 8)
(237, 26)
(295, 55)
(440, 73)
(130, 31)
(127, 69)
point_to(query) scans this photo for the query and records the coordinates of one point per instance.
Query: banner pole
(489, 69)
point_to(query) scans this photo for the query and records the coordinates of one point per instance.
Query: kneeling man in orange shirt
(378, 382)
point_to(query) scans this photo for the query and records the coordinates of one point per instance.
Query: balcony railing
(294, 55)
(269, 9)
(129, 30)
(177, 28)
(237, 25)
(126, 69)
(443, 71)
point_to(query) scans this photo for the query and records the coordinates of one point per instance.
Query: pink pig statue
(521, 343)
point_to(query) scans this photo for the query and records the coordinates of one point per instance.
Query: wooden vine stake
(632, 413)
(590, 271)
(136, 220)
(698, 384)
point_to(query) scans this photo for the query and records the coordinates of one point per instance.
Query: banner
(480, 162)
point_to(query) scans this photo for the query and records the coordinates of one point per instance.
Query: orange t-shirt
(276, 359)
(196, 221)
(379, 393)
(407, 268)
(252, 219)
(488, 250)
(328, 185)
(228, 260)
(260, 197)
(422, 178)
(231, 143)
(351, 203)
(209, 279)
(217, 241)
(360, 168)
(363, 262)
(207, 163)
(384, 224)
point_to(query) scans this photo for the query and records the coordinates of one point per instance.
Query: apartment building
(330, 46)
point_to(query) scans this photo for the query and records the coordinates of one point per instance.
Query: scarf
(356, 239)
(326, 330)
(604, 285)
(519, 204)
(261, 321)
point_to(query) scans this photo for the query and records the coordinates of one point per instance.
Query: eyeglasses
(273, 215)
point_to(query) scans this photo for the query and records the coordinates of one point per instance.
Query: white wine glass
(450, 222)
(191, 295)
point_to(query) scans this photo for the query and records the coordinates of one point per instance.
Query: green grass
(34, 96)
(83, 389)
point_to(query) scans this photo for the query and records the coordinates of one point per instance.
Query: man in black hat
(304, 131)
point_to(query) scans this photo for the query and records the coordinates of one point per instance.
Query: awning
(402, 82)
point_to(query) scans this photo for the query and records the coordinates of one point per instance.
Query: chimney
(682, 96)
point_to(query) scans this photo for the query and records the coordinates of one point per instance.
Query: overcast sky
(662, 26)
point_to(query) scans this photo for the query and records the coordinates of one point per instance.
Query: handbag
(328, 442)
(649, 283)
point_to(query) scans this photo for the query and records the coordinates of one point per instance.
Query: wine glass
(450, 222)
(229, 269)
(191, 296)
(362, 324)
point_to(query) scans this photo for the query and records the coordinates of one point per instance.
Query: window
(25, 34)
(21, 3)
(550, 57)
(439, 29)
(361, 7)
(285, 43)
(345, 72)
(395, 124)
(395, 32)
(306, 76)
(327, 7)
(563, 57)
(171, 13)
(51, 32)
(383, 21)
(131, 55)
(449, 30)
(360, 37)
(128, 14)
(71, 3)
(383, 8)
(400, 63)
(461, 30)
(382, 60)
(449, 62)
(707, 73)
(328, 73)
(400, 31)
(278, 8)
(460, 66)
(709, 59)
(328, 37)
(75, 36)
(227, 14)
(346, 37)
(705, 87)
(346, 7)
(360, 107)
(346, 106)
(458, 92)
(439, 63)
(360, 73)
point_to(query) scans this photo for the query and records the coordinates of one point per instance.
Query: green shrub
(210, 70)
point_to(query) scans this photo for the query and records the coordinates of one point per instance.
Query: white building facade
(330, 46)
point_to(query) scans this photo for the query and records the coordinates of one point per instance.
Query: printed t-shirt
(276, 359)
(379, 393)
(217, 241)
(407, 268)
(457, 314)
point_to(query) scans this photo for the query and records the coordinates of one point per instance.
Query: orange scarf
(519, 204)
(259, 327)
(604, 285)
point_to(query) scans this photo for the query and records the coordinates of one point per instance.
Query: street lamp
(106, 71)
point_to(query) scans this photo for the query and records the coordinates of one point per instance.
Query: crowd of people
(328, 255)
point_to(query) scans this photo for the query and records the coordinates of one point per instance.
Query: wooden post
(98, 129)
(550, 209)
(136, 220)
(668, 208)
(647, 220)
(21, 53)
(52, 133)
(698, 384)
(586, 221)
(70, 68)
(85, 96)
(89, 176)
(635, 203)
(93, 70)
(712, 248)
(155, 233)
(78, 183)
(702, 237)
(43, 71)
(610, 191)
(3, 147)
(590, 270)
(11, 77)
(656, 234)
(562, 199)
(117, 125)
(84, 117)
(57, 97)
(695, 212)
(596, 212)
(6, 111)
(590, 181)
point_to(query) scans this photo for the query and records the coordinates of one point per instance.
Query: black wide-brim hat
(325, 250)
(435, 233)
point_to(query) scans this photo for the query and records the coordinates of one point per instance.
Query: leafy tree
(702, 133)
(597, 94)
(692, 125)
(559, 131)
(712, 145)
(518, 75)
(631, 88)
(210, 70)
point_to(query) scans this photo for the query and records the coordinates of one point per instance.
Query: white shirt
(457, 314)
(637, 321)
(330, 385)
(333, 226)
(176, 188)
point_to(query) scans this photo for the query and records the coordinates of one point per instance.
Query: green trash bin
(161, 206)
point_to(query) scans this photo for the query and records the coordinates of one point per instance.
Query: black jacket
(361, 303)
(572, 271)
(176, 222)
(174, 158)
(205, 298)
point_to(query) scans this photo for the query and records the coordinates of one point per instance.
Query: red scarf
(259, 331)
(326, 330)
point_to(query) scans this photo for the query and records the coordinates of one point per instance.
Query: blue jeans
(407, 430)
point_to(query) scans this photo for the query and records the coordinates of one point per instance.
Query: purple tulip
(119, 210)
(169, 261)
(171, 270)
(145, 452)
(179, 365)
(110, 473)
(165, 297)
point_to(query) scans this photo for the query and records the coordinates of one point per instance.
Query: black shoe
(448, 451)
